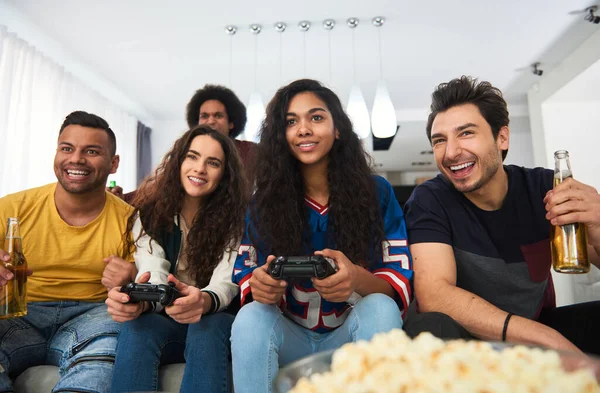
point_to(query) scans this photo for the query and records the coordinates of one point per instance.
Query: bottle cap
(113, 184)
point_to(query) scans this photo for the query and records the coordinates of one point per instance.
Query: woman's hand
(189, 308)
(265, 289)
(117, 305)
(339, 286)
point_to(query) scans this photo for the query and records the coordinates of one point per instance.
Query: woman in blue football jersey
(315, 193)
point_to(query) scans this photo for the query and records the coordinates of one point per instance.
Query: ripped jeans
(78, 337)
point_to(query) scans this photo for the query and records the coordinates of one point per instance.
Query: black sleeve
(426, 220)
(548, 180)
(541, 181)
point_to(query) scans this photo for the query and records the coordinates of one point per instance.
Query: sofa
(41, 379)
(569, 289)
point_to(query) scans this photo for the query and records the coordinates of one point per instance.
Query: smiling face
(83, 160)
(310, 131)
(203, 167)
(214, 114)
(464, 147)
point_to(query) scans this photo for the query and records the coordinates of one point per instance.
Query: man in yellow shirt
(73, 240)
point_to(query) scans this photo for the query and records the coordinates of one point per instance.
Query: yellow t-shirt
(67, 261)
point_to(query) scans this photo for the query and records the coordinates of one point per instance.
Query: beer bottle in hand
(13, 296)
(568, 243)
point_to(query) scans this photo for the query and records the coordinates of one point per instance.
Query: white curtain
(35, 96)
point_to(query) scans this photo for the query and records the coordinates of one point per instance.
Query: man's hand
(339, 286)
(5, 274)
(117, 272)
(190, 307)
(574, 202)
(116, 190)
(265, 289)
(117, 305)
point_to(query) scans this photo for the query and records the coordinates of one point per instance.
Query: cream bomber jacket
(221, 289)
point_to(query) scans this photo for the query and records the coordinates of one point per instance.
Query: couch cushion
(41, 379)
(170, 377)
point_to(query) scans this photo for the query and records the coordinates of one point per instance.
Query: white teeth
(461, 166)
(196, 179)
(74, 172)
(306, 144)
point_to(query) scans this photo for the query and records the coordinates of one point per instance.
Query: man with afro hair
(219, 108)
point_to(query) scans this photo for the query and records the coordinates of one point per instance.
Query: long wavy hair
(217, 225)
(278, 213)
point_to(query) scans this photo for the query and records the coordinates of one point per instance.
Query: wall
(574, 126)
(520, 151)
(164, 134)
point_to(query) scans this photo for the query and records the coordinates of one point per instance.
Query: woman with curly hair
(186, 226)
(315, 194)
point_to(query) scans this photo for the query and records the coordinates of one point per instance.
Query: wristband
(506, 326)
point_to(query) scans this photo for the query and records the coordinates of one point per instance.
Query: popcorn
(393, 363)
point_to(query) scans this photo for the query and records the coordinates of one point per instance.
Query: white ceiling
(158, 53)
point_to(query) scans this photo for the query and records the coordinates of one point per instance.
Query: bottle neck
(562, 169)
(13, 245)
(12, 240)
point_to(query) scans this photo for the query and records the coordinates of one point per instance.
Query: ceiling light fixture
(591, 16)
(304, 26)
(280, 28)
(383, 117)
(357, 107)
(256, 108)
(230, 31)
(329, 24)
(536, 70)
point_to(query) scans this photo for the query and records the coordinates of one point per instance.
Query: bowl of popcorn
(392, 362)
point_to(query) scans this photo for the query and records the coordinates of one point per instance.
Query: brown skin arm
(436, 290)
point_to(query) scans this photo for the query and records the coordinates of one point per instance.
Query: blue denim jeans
(80, 338)
(263, 339)
(152, 340)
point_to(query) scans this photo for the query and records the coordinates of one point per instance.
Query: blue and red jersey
(302, 303)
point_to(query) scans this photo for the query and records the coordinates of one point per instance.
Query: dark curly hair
(278, 213)
(217, 225)
(236, 110)
(466, 90)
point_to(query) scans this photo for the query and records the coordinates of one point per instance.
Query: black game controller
(160, 293)
(301, 267)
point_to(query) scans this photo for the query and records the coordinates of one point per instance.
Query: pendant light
(357, 107)
(383, 117)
